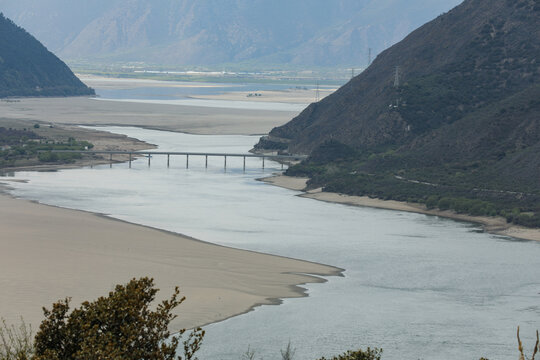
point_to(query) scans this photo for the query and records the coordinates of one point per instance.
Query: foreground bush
(15, 342)
(120, 326)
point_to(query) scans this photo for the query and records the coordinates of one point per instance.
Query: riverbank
(177, 118)
(101, 140)
(50, 253)
(493, 225)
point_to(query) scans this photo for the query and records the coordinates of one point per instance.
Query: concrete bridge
(148, 154)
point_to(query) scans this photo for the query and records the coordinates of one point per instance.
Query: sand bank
(293, 96)
(179, 118)
(104, 82)
(49, 253)
(494, 225)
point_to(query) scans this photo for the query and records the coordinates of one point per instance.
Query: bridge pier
(110, 160)
(263, 162)
(206, 162)
(225, 163)
(148, 159)
(244, 163)
(130, 155)
(187, 161)
(168, 159)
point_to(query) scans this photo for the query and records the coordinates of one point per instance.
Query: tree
(119, 326)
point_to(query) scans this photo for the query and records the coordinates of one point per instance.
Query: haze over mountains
(192, 32)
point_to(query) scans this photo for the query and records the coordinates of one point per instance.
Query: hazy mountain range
(195, 32)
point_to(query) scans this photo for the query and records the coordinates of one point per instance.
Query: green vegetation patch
(457, 187)
(25, 147)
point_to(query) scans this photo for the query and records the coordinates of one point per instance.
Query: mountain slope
(463, 121)
(27, 68)
(190, 32)
(477, 54)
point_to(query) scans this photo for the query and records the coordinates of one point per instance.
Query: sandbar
(292, 96)
(189, 119)
(105, 82)
(49, 253)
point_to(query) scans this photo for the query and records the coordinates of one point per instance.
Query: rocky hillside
(210, 32)
(463, 114)
(27, 68)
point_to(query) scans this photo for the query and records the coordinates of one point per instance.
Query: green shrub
(432, 201)
(445, 203)
(120, 326)
(368, 354)
(48, 157)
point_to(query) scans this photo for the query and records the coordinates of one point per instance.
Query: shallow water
(182, 95)
(418, 286)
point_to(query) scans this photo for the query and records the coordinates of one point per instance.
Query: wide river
(421, 287)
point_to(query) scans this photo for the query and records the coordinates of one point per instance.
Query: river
(421, 287)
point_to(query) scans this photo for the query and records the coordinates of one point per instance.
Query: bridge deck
(146, 153)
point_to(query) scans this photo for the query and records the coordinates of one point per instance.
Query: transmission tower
(396, 77)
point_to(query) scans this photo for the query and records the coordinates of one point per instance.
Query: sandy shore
(103, 82)
(179, 118)
(494, 225)
(294, 96)
(49, 253)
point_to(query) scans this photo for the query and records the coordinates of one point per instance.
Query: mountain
(462, 118)
(27, 68)
(212, 32)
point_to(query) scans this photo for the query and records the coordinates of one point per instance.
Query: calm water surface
(183, 95)
(415, 285)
